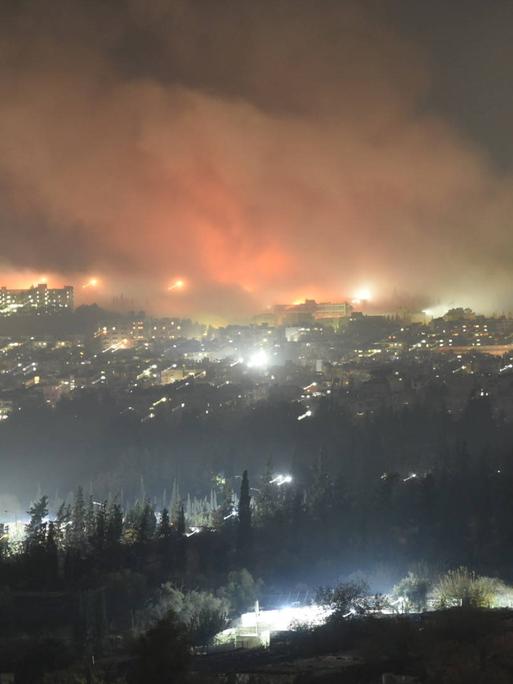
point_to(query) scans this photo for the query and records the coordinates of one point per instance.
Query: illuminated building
(172, 374)
(332, 313)
(309, 311)
(123, 335)
(114, 337)
(39, 299)
(138, 329)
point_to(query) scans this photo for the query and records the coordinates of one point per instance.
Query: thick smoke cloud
(262, 151)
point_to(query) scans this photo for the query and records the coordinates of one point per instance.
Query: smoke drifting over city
(260, 152)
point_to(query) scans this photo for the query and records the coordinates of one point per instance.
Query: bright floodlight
(363, 294)
(281, 480)
(178, 284)
(92, 282)
(259, 359)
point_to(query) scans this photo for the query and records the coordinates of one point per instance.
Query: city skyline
(44, 296)
(101, 292)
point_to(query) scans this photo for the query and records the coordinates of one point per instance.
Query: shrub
(412, 592)
(462, 587)
(349, 598)
(203, 614)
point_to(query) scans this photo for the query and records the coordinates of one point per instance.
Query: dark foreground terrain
(455, 646)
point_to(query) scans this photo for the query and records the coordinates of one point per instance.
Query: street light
(281, 480)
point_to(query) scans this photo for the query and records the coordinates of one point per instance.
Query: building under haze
(307, 312)
(38, 299)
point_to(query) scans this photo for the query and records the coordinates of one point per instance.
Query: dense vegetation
(369, 497)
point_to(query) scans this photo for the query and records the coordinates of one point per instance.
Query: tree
(114, 529)
(267, 500)
(62, 522)
(147, 523)
(78, 521)
(181, 557)
(164, 530)
(320, 491)
(244, 528)
(35, 530)
(99, 530)
(162, 654)
(241, 591)
(180, 523)
(90, 519)
(225, 511)
(52, 555)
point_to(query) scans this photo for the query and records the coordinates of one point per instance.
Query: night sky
(260, 151)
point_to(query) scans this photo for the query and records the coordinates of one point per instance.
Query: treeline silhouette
(310, 531)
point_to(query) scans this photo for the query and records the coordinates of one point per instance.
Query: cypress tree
(78, 521)
(62, 525)
(244, 528)
(100, 529)
(114, 524)
(164, 524)
(35, 531)
(52, 555)
(180, 523)
(147, 523)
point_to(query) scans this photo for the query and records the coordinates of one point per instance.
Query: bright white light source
(363, 294)
(281, 480)
(304, 415)
(258, 359)
(178, 284)
(91, 283)
(285, 618)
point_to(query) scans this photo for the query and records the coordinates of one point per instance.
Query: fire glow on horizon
(263, 185)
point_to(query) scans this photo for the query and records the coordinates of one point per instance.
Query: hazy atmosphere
(258, 151)
(256, 341)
